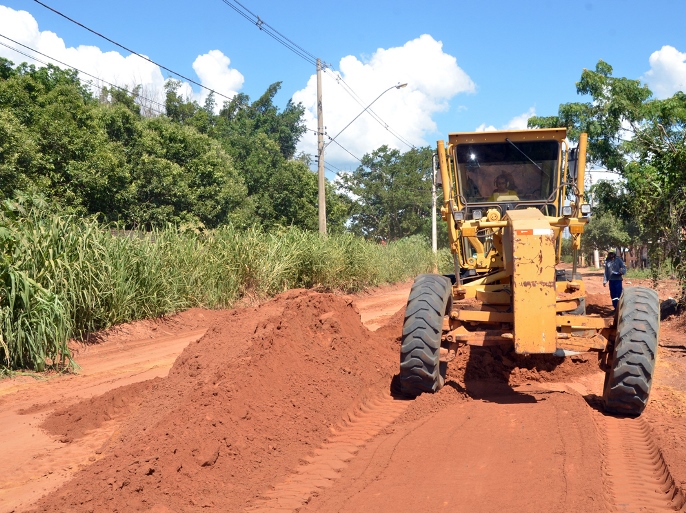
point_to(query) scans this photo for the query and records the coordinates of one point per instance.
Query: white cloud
(667, 73)
(483, 127)
(212, 67)
(433, 78)
(516, 123)
(215, 73)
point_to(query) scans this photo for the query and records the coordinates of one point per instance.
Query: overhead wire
(271, 31)
(176, 73)
(345, 149)
(242, 107)
(312, 59)
(336, 168)
(87, 74)
(331, 140)
(129, 92)
(350, 91)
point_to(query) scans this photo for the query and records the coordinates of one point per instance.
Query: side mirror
(572, 161)
(437, 179)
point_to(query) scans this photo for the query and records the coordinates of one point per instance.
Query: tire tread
(629, 379)
(428, 302)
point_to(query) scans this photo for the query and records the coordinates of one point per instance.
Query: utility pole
(320, 152)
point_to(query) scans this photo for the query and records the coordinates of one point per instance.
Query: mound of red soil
(239, 409)
(75, 421)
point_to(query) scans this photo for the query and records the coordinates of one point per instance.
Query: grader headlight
(567, 211)
(585, 209)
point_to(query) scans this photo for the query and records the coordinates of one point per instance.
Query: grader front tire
(630, 376)
(429, 301)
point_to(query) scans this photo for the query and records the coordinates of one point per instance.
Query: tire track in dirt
(359, 425)
(637, 476)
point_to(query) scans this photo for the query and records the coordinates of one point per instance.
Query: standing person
(614, 270)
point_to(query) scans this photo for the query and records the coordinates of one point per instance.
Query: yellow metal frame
(468, 228)
(517, 290)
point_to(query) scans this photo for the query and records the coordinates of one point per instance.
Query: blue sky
(468, 65)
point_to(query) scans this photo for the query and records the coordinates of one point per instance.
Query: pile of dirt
(239, 409)
(75, 421)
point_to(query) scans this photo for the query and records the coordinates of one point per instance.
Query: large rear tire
(429, 301)
(630, 376)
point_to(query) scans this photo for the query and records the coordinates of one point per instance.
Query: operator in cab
(502, 190)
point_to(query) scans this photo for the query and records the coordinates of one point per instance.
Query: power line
(131, 51)
(339, 80)
(337, 143)
(331, 165)
(309, 57)
(326, 166)
(75, 69)
(271, 31)
(344, 149)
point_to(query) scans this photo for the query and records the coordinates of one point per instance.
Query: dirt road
(289, 407)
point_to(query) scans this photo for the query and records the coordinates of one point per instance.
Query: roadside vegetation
(64, 276)
(115, 208)
(643, 140)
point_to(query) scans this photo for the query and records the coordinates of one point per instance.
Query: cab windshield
(509, 172)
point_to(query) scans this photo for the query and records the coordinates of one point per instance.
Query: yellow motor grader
(508, 199)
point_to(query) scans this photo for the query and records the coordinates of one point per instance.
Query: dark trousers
(615, 291)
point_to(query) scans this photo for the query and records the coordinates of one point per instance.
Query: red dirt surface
(239, 408)
(35, 463)
(287, 406)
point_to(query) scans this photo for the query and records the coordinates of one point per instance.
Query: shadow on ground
(494, 374)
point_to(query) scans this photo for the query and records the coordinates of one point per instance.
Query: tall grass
(63, 276)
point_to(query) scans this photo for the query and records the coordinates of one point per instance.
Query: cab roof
(534, 134)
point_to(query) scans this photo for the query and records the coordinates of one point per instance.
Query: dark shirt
(614, 269)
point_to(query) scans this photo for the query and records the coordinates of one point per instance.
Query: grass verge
(62, 276)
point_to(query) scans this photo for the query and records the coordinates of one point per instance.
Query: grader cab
(508, 199)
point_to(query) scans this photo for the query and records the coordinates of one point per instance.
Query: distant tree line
(105, 154)
(99, 155)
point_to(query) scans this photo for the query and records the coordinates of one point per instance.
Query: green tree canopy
(392, 192)
(644, 140)
(605, 232)
(101, 155)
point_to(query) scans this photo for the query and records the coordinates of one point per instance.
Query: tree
(644, 140)
(179, 109)
(262, 141)
(605, 232)
(392, 194)
(101, 156)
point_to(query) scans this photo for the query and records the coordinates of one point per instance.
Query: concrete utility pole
(320, 152)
